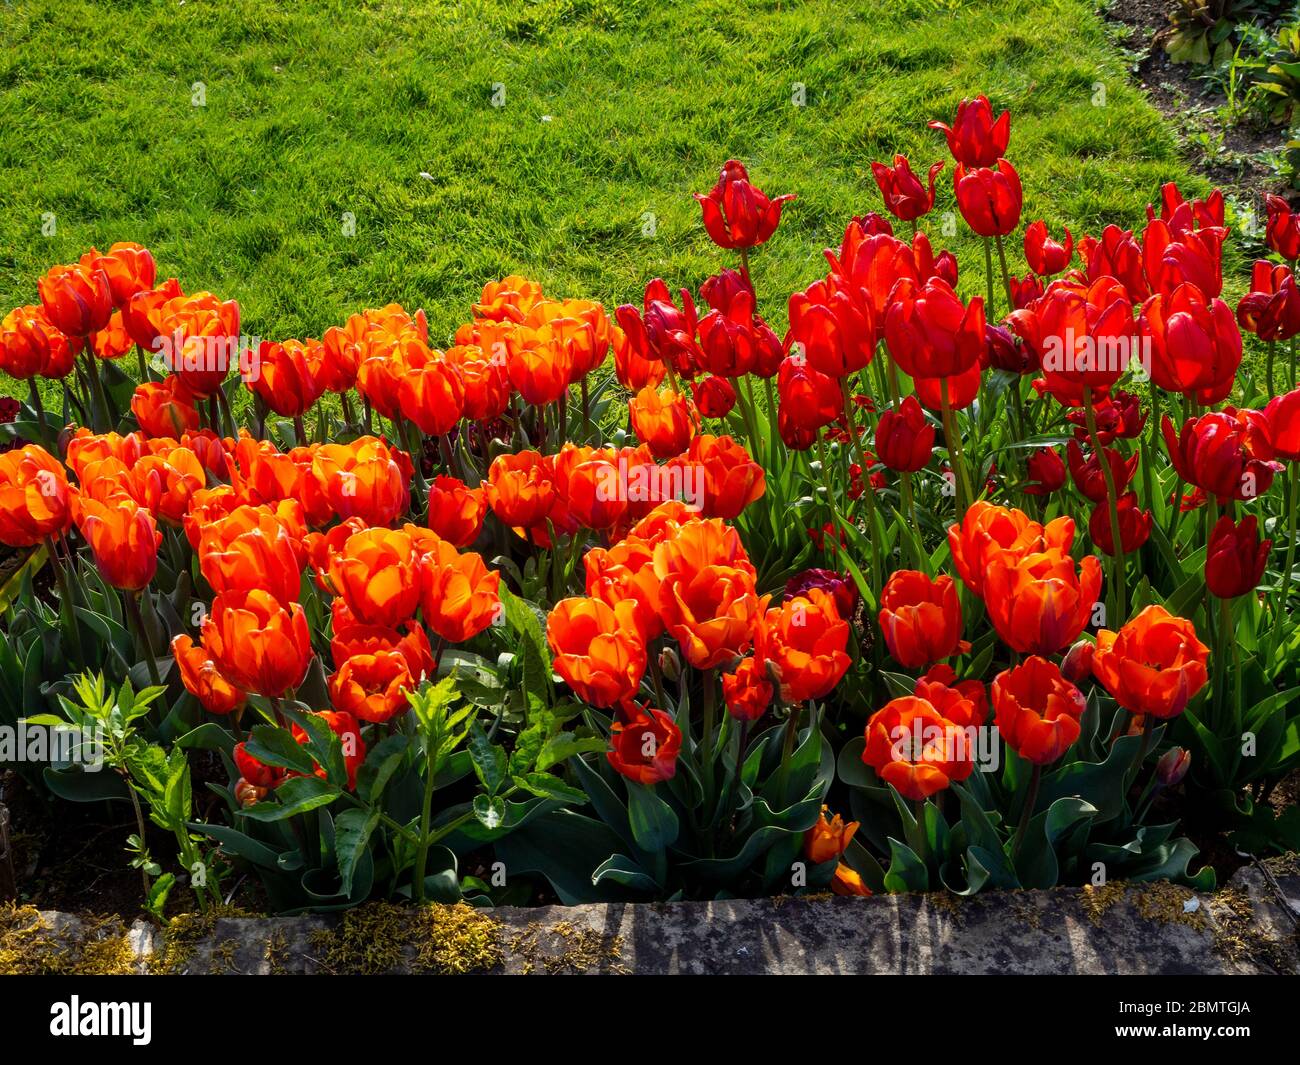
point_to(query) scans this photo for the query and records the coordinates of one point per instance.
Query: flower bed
(935, 592)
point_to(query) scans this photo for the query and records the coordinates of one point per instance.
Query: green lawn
(613, 109)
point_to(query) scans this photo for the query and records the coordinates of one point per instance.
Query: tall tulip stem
(1031, 798)
(955, 456)
(1006, 275)
(137, 620)
(989, 306)
(868, 493)
(1292, 503)
(1118, 596)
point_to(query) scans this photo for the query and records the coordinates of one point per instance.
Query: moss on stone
(381, 937)
(86, 946)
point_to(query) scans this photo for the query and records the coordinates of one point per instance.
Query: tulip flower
(662, 333)
(731, 480)
(459, 595)
(747, 690)
(1118, 415)
(1193, 257)
(484, 381)
(123, 538)
(509, 299)
(202, 679)
(644, 746)
(128, 267)
(975, 138)
(1283, 417)
(1046, 471)
(288, 377)
(31, 344)
(257, 642)
(1090, 479)
(351, 638)
(1195, 343)
(1036, 710)
(599, 651)
(833, 331)
(377, 575)
(920, 618)
(455, 510)
(733, 339)
(931, 333)
(1235, 558)
(197, 337)
(76, 297)
(828, 838)
(806, 640)
(963, 702)
(809, 400)
(625, 573)
(1271, 309)
(1134, 525)
(988, 531)
(664, 420)
(1153, 665)
(520, 489)
(1024, 290)
(163, 408)
(1044, 255)
(1116, 255)
(714, 396)
(736, 214)
(364, 479)
(915, 749)
(989, 199)
(256, 773)
(906, 197)
(904, 438)
(1282, 231)
(251, 549)
(372, 687)
(1183, 215)
(348, 730)
(1173, 766)
(35, 499)
(1227, 453)
(1039, 603)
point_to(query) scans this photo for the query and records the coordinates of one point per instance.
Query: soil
(1232, 156)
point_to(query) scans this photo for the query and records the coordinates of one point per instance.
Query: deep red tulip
(1024, 290)
(931, 333)
(1118, 415)
(904, 438)
(989, 198)
(1195, 257)
(809, 399)
(835, 331)
(1090, 479)
(1046, 470)
(1235, 558)
(660, 332)
(1194, 343)
(1116, 255)
(736, 214)
(733, 339)
(1283, 416)
(906, 197)
(1182, 214)
(1134, 524)
(1271, 309)
(1282, 233)
(714, 396)
(975, 138)
(1227, 453)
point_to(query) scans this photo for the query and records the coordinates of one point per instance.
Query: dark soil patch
(1231, 156)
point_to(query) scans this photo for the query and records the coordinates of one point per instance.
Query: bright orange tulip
(372, 687)
(288, 375)
(828, 838)
(459, 595)
(1039, 604)
(76, 296)
(987, 530)
(731, 478)
(257, 642)
(1153, 665)
(353, 638)
(598, 649)
(123, 538)
(920, 618)
(129, 268)
(251, 548)
(664, 420)
(167, 479)
(625, 573)
(377, 574)
(35, 499)
(916, 749)
(747, 690)
(520, 489)
(806, 638)
(455, 510)
(430, 392)
(365, 479)
(644, 746)
(163, 408)
(1037, 710)
(203, 680)
(31, 344)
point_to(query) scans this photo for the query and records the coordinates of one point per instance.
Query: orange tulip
(707, 596)
(288, 375)
(163, 408)
(1037, 710)
(77, 297)
(377, 574)
(644, 748)
(920, 618)
(1038, 603)
(129, 268)
(1153, 665)
(197, 339)
(455, 510)
(625, 573)
(520, 489)
(31, 344)
(459, 595)
(372, 687)
(86, 447)
(203, 680)
(364, 479)
(731, 479)
(484, 379)
(508, 300)
(806, 638)
(987, 530)
(353, 638)
(914, 748)
(747, 690)
(251, 548)
(111, 342)
(123, 538)
(429, 389)
(594, 492)
(257, 642)
(665, 420)
(539, 364)
(167, 479)
(35, 500)
(828, 838)
(847, 881)
(598, 649)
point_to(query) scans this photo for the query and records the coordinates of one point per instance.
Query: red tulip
(1046, 470)
(714, 396)
(834, 331)
(905, 196)
(1227, 453)
(662, 333)
(1195, 344)
(1283, 417)
(975, 138)
(1090, 479)
(931, 333)
(989, 199)
(1134, 524)
(1282, 233)
(734, 340)
(904, 438)
(1235, 558)
(1116, 255)
(1045, 255)
(1271, 309)
(1183, 215)
(736, 214)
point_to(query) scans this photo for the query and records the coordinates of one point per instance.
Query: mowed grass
(613, 111)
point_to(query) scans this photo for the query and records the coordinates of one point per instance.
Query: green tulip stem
(1118, 597)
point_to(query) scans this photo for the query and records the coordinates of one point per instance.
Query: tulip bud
(1173, 766)
(1076, 667)
(669, 664)
(247, 794)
